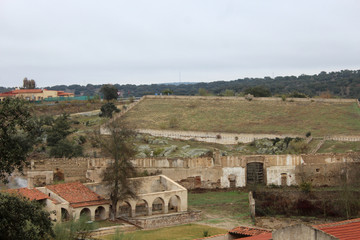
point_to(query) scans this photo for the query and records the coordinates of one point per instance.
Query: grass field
(339, 147)
(246, 116)
(222, 209)
(182, 232)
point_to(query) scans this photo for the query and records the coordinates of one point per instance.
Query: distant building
(34, 94)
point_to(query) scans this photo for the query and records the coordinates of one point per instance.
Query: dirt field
(247, 116)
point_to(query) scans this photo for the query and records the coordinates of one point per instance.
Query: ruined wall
(74, 169)
(222, 171)
(166, 220)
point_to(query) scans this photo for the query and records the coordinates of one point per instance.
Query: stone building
(157, 196)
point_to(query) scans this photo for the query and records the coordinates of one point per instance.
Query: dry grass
(182, 232)
(247, 117)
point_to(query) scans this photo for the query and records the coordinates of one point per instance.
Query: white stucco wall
(239, 172)
(273, 175)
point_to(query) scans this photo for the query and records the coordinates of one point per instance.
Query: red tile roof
(77, 194)
(344, 230)
(262, 236)
(61, 93)
(248, 231)
(19, 91)
(7, 94)
(32, 194)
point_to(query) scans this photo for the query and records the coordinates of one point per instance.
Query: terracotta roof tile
(19, 91)
(32, 194)
(262, 236)
(248, 231)
(77, 194)
(344, 230)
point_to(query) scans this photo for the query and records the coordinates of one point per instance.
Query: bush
(308, 134)
(306, 187)
(80, 229)
(107, 110)
(173, 122)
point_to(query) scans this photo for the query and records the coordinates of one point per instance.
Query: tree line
(344, 84)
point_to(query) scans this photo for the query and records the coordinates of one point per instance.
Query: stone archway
(141, 208)
(174, 204)
(85, 212)
(124, 210)
(65, 216)
(158, 206)
(100, 213)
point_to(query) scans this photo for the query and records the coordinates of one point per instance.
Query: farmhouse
(157, 196)
(34, 94)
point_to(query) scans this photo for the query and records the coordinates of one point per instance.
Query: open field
(222, 209)
(339, 147)
(237, 116)
(182, 232)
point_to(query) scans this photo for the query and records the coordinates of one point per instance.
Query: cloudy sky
(141, 42)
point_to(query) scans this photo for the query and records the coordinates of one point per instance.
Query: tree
(65, 148)
(167, 92)
(16, 136)
(29, 84)
(229, 93)
(59, 130)
(203, 92)
(109, 91)
(119, 146)
(107, 110)
(23, 219)
(258, 91)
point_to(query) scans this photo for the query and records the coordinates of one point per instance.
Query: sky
(162, 41)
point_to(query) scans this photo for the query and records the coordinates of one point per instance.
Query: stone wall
(213, 137)
(74, 169)
(216, 172)
(166, 220)
(326, 100)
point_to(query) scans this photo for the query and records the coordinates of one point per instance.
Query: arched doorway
(65, 216)
(100, 213)
(254, 173)
(174, 204)
(124, 210)
(85, 212)
(141, 208)
(158, 206)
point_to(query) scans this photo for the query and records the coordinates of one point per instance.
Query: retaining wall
(166, 220)
(275, 99)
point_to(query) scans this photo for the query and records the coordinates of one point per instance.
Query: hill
(235, 115)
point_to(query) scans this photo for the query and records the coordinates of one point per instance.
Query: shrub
(173, 122)
(107, 110)
(306, 187)
(308, 134)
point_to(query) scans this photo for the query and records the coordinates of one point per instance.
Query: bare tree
(119, 146)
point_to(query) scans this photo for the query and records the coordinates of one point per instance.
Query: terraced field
(235, 116)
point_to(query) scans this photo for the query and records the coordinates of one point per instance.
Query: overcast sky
(141, 42)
